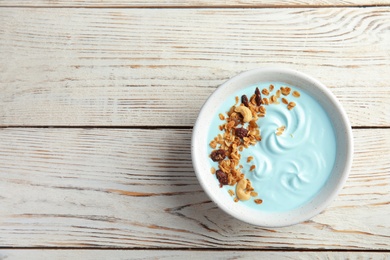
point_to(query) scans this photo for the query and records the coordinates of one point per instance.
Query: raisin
(258, 100)
(241, 132)
(244, 100)
(257, 92)
(222, 177)
(218, 155)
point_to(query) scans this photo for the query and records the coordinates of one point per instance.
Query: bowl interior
(342, 131)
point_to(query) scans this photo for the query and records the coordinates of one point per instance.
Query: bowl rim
(345, 169)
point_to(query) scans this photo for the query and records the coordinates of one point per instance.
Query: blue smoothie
(291, 167)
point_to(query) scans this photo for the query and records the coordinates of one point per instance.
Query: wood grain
(192, 3)
(177, 254)
(136, 189)
(156, 67)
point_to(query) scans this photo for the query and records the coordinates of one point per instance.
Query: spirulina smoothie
(280, 153)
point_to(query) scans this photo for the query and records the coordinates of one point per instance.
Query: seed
(244, 100)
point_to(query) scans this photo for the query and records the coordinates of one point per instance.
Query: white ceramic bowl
(342, 128)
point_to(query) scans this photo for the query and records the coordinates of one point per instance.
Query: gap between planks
(199, 6)
(146, 127)
(197, 249)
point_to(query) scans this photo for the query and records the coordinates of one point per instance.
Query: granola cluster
(239, 131)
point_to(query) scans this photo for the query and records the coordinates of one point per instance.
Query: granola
(239, 131)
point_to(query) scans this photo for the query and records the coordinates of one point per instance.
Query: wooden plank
(136, 67)
(177, 254)
(136, 189)
(191, 3)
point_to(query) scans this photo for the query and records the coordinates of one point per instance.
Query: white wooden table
(98, 100)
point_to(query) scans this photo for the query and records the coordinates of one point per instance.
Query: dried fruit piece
(258, 100)
(222, 177)
(257, 91)
(244, 100)
(241, 132)
(218, 155)
(296, 94)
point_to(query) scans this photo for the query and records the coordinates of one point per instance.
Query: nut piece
(241, 132)
(240, 190)
(218, 155)
(222, 177)
(245, 112)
